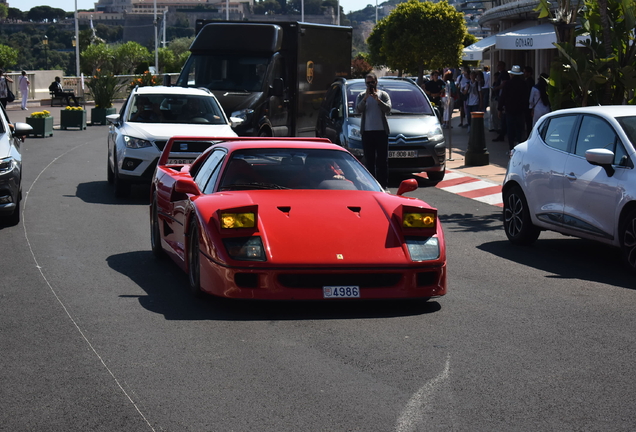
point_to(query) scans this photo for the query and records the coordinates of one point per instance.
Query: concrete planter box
(73, 118)
(98, 115)
(41, 126)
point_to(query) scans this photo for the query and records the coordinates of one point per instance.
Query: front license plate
(180, 161)
(341, 292)
(397, 154)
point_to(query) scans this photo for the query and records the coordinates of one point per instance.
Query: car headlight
(245, 248)
(243, 114)
(238, 220)
(423, 248)
(418, 220)
(353, 132)
(7, 165)
(437, 134)
(136, 143)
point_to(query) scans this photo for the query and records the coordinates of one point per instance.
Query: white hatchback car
(150, 117)
(575, 175)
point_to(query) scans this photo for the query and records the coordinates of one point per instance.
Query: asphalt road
(96, 334)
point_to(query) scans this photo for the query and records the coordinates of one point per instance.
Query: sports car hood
(325, 228)
(164, 131)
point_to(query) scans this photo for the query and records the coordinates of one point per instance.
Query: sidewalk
(457, 143)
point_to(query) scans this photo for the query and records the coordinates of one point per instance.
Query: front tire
(122, 187)
(517, 221)
(110, 175)
(436, 176)
(628, 240)
(194, 261)
(14, 218)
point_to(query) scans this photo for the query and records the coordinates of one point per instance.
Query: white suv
(150, 117)
(575, 175)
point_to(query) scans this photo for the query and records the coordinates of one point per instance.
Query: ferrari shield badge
(310, 71)
(339, 256)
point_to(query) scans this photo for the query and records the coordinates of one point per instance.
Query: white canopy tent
(476, 50)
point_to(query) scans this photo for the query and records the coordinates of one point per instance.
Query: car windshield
(629, 126)
(406, 98)
(271, 168)
(236, 73)
(163, 108)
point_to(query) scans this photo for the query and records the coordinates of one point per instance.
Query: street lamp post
(45, 42)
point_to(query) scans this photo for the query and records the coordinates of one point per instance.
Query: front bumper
(423, 281)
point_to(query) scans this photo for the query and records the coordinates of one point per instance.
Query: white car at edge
(576, 175)
(151, 116)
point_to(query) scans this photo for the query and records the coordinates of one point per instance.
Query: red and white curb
(471, 187)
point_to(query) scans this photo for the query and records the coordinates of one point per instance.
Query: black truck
(273, 76)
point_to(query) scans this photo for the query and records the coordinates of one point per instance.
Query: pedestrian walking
(24, 84)
(485, 91)
(461, 82)
(501, 78)
(4, 88)
(512, 104)
(539, 101)
(528, 76)
(374, 105)
(472, 90)
(452, 95)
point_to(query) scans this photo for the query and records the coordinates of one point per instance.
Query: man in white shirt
(24, 84)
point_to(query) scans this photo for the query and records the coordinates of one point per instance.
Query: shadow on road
(568, 258)
(100, 192)
(167, 294)
(468, 222)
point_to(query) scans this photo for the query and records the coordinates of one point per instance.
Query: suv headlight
(353, 132)
(7, 165)
(136, 143)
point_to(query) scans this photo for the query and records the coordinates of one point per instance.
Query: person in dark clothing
(497, 87)
(512, 104)
(434, 88)
(528, 76)
(58, 91)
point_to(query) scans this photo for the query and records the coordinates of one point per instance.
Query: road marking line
(471, 187)
(412, 414)
(59, 300)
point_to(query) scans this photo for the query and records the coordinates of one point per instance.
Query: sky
(69, 5)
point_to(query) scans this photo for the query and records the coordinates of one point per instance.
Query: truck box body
(272, 75)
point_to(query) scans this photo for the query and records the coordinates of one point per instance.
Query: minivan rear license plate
(396, 154)
(349, 291)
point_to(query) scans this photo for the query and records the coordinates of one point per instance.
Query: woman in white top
(472, 90)
(539, 102)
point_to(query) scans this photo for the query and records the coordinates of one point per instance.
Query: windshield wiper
(255, 185)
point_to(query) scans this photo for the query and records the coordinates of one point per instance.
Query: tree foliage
(418, 36)
(360, 67)
(8, 56)
(128, 56)
(602, 70)
(46, 14)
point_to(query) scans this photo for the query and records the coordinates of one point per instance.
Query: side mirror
(601, 157)
(236, 122)
(113, 119)
(21, 129)
(408, 185)
(278, 89)
(167, 80)
(186, 186)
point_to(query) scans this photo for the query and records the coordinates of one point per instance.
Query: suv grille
(185, 146)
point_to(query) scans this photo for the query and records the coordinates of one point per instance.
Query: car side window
(209, 171)
(594, 133)
(558, 131)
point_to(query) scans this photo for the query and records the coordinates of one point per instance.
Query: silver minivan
(416, 139)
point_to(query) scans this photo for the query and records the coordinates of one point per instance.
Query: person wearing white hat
(512, 102)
